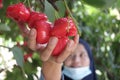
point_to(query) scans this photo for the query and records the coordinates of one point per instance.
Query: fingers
(46, 53)
(71, 45)
(76, 41)
(23, 28)
(32, 39)
(66, 52)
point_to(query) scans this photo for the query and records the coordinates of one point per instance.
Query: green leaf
(118, 4)
(16, 74)
(30, 68)
(18, 55)
(100, 3)
(49, 11)
(4, 27)
(61, 7)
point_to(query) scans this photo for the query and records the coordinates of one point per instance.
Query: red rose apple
(60, 46)
(72, 28)
(18, 12)
(1, 4)
(26, 56)
(35, 16)
(64, 27)
(43, 31)
(60, 28)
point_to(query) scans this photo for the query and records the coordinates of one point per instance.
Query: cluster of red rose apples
(62, 28)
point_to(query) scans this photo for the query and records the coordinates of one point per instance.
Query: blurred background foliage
(98, 21)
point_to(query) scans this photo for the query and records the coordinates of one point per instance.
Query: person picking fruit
(51, 64)
(77, 61)
(53, 42)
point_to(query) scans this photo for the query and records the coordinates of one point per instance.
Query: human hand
(46, 50)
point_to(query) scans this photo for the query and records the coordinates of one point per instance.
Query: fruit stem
(29, 3)
(23, 72)
(24, 1)
(72, 17)
(5, 47)
(18, 1)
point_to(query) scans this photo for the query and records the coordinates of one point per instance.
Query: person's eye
(70, 57)
(81, 55)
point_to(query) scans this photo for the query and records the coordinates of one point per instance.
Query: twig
(42, 3)
(53, 4)
(1, 70)
(72, 17)
(5, 47)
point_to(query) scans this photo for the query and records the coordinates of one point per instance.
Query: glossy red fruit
(72, 28)
(24, 44)
(60, 27)
(18, 12)
(1, 4)
(64, 27)
(60, 46)
(35, 16)
(43, 31)
(26, 56)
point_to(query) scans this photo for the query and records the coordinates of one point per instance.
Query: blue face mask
(76, 73)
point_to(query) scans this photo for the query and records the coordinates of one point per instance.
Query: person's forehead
(79, 50)
(81, 46)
